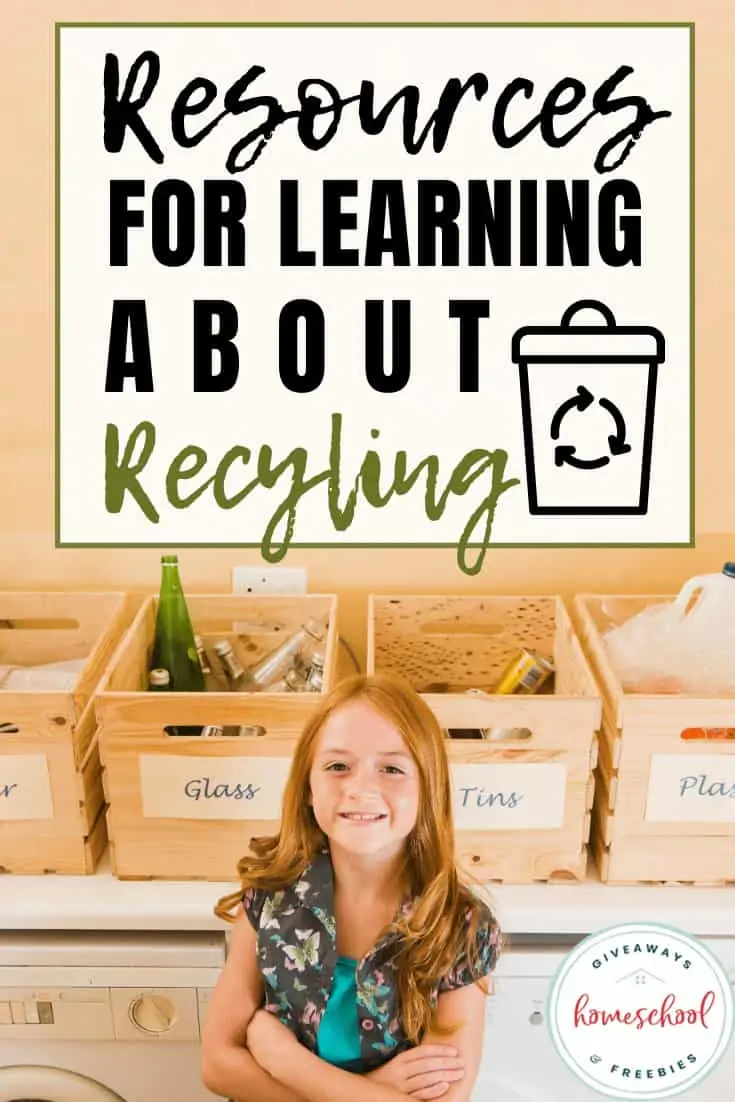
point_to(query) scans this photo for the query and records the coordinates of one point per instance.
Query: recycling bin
(588, 404)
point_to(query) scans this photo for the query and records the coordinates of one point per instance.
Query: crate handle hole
(203, 730)
(39, 623)
(713, 734)
(181, 729)
(461, 627)
(489, 734)
(508, 734)
(563, 876)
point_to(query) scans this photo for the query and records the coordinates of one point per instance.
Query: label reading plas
(212, 788)
(691, 788)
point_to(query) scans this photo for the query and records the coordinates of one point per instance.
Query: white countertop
(101, 902)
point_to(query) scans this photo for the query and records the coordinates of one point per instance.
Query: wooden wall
(28, 558)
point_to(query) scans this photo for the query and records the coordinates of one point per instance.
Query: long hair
(437, 931)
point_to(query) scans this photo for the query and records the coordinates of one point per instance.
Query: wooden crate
(445, 645)
(164, 822)
(51, 761)
(638, 832)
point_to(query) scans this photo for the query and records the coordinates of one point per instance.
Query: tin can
(212, 731)
(202, 654)
(525, 674)
(244, 731)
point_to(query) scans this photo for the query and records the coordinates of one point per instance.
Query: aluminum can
(525, 674)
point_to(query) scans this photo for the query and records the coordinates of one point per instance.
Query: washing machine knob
(536, 1017)
(153, 1013)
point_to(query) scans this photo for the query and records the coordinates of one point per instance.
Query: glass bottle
(174, 648)
(215, 676)
(238, 678)
(202, 655)
(273, 666)
(293, 681)
(315, 678)
(159, 681)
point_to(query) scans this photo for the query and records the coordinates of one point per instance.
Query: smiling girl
(357, 958)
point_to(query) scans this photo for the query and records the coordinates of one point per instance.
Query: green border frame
(59, 26)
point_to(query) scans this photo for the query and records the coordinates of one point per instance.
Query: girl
(354, 923)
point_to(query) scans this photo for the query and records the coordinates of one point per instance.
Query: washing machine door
(34, 1084)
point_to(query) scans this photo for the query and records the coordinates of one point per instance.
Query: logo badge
(641, 1011)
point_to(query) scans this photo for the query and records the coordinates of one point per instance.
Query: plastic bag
(642, 651)
(652, 652)
(49, 677)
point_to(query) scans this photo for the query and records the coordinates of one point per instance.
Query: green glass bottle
(174, 648)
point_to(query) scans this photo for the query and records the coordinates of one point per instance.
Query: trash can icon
(588, 400)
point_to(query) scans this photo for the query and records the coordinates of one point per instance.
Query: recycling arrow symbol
(566, 453)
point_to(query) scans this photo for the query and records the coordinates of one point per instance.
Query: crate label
(212, 788)
(25, 789)
(509, 796)
(691, 788)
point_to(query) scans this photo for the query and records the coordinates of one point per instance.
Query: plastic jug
(686, 645)
(711, 617)
(706, 605)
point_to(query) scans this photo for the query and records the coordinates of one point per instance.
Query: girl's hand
(425, 1072)
(268, 1040)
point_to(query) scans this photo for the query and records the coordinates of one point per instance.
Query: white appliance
(520, 1062)
(104, 1017)
(116, 1018)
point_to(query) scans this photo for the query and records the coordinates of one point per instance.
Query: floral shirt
(297, 953)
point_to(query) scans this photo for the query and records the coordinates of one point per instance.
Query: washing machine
(104, 1017)
(520, 1062)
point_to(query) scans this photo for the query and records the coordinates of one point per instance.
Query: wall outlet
(268, 579)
